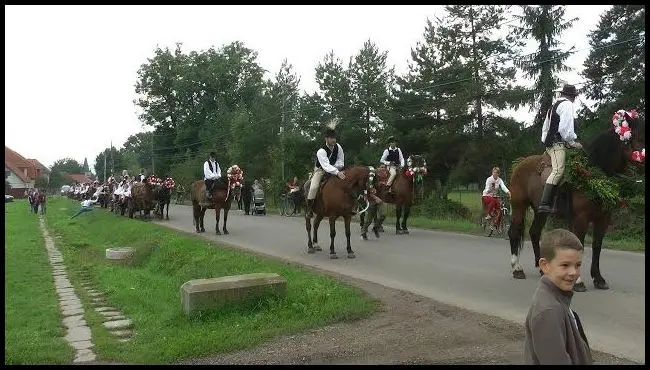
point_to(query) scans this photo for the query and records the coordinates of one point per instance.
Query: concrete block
(119, 253)
(203, 294)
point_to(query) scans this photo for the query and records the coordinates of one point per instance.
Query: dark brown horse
(608, 153)
(336, 198)
(405, 189)
(222, 196)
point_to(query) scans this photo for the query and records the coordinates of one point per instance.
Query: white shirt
(211, 175)
(565, 127)
(321, 154)
(87, 203)
(385, 155)
(491, 186)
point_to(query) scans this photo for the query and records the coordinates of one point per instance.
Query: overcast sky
(70, 71)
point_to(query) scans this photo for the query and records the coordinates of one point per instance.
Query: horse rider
(492, 185)
(558, 134)
(329, 159)
(141, 175)
(211, 173)
(392, 157)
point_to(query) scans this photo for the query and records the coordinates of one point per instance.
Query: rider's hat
(391, 139)
(213, 154)
(569, 90)
(330, 129)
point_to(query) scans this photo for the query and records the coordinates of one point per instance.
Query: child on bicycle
(490, 194)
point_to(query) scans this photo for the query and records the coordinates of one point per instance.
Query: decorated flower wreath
(166, 183)
(235, 176)
(415, 172)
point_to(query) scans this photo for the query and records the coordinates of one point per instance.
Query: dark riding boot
(548, 196)
(309, 212)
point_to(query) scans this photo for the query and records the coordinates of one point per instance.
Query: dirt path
(408, 329)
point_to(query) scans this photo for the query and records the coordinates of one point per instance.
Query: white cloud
(70, 70)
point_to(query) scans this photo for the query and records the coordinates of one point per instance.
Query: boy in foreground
(554, 334)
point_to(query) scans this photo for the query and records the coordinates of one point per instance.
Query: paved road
(468, 271)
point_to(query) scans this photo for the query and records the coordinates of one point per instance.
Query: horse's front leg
(203, 218)
(167, 215)
(580, 226)
(225, 220)
(398, 215)
(217, 215)
(317, 221)
(332, 236)
(347, 220)
(600, 228)
(405, 216)
(310, 245)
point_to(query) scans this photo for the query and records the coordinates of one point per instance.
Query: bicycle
(287, 205)
(503, 226)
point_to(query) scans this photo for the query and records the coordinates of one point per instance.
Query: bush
(629, 219)
(436, 208)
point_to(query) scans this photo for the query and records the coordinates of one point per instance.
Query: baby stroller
(259, 201)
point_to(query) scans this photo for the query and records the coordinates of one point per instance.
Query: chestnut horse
(608, 153)
(221, 199)
(335, 198)
(404, 190)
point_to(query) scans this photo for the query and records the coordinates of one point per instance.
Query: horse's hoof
(398, 232)
(218, 232)
(579, 287)
(518, 274)
(311, 250)
(351, 255)
(364, 237)
(333, 256)
(198, 231)
(225, 232)
(405, 231)
(600, 284)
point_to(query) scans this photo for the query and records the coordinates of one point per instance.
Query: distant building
(21, 173)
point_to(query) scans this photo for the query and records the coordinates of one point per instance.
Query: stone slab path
(78, 332)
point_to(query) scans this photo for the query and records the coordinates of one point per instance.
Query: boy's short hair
(558, 239)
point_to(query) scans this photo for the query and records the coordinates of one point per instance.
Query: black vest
(210, 165)
(393, 155)
(553, 136)
(331, 154)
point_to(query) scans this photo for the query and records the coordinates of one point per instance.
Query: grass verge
(146, 290)
(33, 328)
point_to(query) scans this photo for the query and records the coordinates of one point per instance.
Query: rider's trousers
(393, 173)
(557, 152)
(315, 183)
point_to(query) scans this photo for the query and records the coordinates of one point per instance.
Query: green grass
(33, 328)
(147, 289)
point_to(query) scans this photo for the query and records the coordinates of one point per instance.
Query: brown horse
(405, 189)
(335, 198)
(608, 153)
(221, 199)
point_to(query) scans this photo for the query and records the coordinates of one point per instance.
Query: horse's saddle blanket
(544, 168)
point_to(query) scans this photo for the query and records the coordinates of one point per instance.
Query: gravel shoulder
(408, 329)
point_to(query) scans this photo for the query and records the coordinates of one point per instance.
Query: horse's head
(357, 177)
(637, 141)
(417, 169)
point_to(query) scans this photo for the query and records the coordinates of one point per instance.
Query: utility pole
(112, 160)
(105, 155)
(153, 165)
(282, 140)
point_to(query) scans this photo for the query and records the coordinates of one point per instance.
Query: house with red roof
(21, 173)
